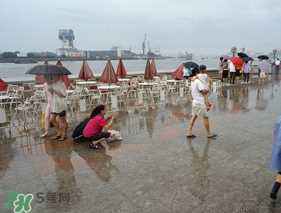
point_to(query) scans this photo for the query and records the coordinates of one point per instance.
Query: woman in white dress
(57, 89)
(48, 109)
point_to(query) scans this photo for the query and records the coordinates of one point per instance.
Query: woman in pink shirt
(94, 128)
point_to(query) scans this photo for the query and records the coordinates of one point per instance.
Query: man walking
(199, 108)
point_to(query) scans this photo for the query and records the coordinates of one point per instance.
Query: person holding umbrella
(246, 71)
(47, 114)
(57, 91)
(264, 66)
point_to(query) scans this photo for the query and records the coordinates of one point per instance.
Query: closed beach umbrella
(59, 63)
(263, 57)
(3, 85)
(237, 62)
(85, 72)
(178, 73)
(47, 69)
(153, 67)
(108, 75)
(64, 78)
(148, 74)
(121, 70)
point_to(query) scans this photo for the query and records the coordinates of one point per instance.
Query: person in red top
(93, 130)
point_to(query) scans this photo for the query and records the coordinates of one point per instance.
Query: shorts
(61, 114)
(225, 74)
(237, 73)
(199, 109)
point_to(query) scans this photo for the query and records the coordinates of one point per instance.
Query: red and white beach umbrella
(108, 76)
(178, 73)
(3, 85)
(121, 70)
(85, 72)
(148, 73)
(153, 67)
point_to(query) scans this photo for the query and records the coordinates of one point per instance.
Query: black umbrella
(243, 55)
(47, 69)
(263, 57)
(191, 65)
(247, 59)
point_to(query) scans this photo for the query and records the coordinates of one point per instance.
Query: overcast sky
(198, 26)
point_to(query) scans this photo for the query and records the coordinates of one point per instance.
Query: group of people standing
(231, 71)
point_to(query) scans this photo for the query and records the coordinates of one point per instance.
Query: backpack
(78, 131)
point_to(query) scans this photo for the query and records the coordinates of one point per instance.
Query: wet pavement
(155, 168)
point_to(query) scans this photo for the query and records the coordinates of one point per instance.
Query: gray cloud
(200, 26)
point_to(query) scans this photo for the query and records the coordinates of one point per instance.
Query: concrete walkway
(155, 168)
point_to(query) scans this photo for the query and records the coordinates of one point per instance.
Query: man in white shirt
(199, 108)
(232, 71)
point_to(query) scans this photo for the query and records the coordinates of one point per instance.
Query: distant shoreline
(27, 60)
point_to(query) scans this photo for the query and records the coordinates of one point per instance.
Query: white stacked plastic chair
(95, 97)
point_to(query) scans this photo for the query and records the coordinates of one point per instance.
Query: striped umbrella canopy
(108, 76)
(178, 73)
(153, 67)
(85, 72)
(121, 70)
(148, 73)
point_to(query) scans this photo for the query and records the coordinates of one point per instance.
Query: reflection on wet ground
(155, 168)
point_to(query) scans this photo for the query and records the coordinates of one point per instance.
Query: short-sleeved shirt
(196, 87)
(231, 67)
(58, 104)
(204, 78)
(246, 68)
(94, 126)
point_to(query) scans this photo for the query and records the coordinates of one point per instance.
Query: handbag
(115, 135)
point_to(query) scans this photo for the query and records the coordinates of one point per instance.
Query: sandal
(191, 136)
(44, 135)
(212, 136)
(62, 138)
(55, 137)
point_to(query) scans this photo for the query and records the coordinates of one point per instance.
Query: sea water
(16, 72)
